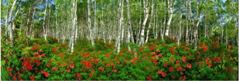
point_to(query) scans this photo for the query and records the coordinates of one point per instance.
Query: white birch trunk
(95, 21)
(180, 32)
(146, 15)
(44, 21)
(130, 33)
(10, 23)
(121, 10)
(74, 25)
(151, 20)
(170, 11)
(89, 22)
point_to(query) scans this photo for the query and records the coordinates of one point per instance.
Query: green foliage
(156, 60)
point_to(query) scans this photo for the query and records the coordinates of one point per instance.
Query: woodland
(119, 39)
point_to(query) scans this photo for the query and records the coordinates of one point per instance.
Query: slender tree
(120, 23)
(170, 12)
(10, 22)
(74, 24)
(146, 16)
(89, 22)
(151, 20)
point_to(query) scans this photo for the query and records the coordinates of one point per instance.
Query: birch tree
(10, 17)
(196, 26)
(146, 16)
(120, 23)
(179, 36)
(130, 37)
(44, 21)
(74, 25)
(89, 22)
(170, 12)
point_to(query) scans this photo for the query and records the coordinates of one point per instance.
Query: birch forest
(119, 39)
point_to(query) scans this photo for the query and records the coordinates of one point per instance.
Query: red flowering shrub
(46, 74)
(171, 69)
(53, 62)
(26, 64)
(184, 59)
(163, 74)
(189, 66)
(87, 64)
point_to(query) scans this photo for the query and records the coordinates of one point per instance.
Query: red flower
(170, 69)
(26, 63)
(86, 55)
(72, 66)
(114, 70)
(204, 47)
(163, 74)
(48, 65)
(172, 50)
(134, 60)
(189, 66)
(10, 74)
(9, 69)
(46, 74)
(14, 78)
(91, 74)
(94, 61)
(165, 64)
(40, 51)
(68, 70)
(32, 78)
(54, 49)
(152, 47)
(35, 47)
(154, 61)
(208, 62)
(78, 76)
(107, 55)
(54, 68)
(87, 64)
(149, 78)
(38, 62)
(217, 59)
(177, 61)
(160, 55)
(101, 69)
(42, 55)
(183, 77)
(179, 68)
(184, 59)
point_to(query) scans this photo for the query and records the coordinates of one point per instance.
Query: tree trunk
(44, 21)
(170, 11)
(10, 23)
(146, 16)
(180, 32)
(130, 37)
(95, 21)
(187, 29)
(74, 25)
(89, 22)
(120, 22)
(151, 20)
(196, 28)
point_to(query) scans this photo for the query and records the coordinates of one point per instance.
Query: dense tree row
(121, 21)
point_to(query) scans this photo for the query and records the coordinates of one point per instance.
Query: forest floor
(36, 59)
